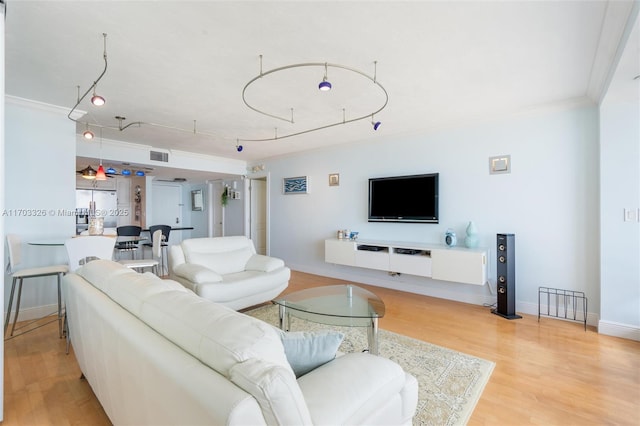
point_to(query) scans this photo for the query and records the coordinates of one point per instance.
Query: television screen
(404, 199)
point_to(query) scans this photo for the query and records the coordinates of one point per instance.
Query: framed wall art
(334, 179)
(295, 185)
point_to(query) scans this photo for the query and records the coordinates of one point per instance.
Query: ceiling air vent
(159, 156)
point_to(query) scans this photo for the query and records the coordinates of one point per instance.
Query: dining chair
(14, 244)
(127, 246)
(166, 229)
(152, 263)
(86, 248)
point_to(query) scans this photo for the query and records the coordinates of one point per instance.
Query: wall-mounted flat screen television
(404, 199)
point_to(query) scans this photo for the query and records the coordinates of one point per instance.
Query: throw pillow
(306, 351)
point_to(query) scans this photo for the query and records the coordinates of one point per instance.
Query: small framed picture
(196, 200)
(295, 185)
(334, 179)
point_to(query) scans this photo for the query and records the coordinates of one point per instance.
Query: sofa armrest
(197, 274)
(359, 388)
(259, 262)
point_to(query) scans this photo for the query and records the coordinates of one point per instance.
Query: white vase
(471, 241)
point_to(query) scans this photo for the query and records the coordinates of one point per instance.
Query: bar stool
(147, 263)
(15, 256)
(80, 249)
(166, 229)
(128, 246)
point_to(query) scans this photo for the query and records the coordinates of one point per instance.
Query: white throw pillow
(306, 351)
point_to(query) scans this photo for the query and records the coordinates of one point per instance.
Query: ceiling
(184, 65)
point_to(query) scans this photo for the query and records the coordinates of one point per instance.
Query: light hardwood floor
(550, 372)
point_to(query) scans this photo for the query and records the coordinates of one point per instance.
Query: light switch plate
(500, 164)
(630, 215)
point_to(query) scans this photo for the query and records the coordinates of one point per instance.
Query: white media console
(439, 262)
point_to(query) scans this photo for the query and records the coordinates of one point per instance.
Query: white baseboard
(28, 314)
(615, 329)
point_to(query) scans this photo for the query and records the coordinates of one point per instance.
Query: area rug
(450, 382)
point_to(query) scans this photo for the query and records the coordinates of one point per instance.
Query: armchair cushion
(259, 262)
(197, 274)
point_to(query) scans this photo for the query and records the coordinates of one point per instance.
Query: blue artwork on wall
(295, 185)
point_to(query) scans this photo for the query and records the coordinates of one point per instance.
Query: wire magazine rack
(566, 304)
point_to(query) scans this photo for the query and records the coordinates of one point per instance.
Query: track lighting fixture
(88, 134)
(324, 85)
(97, 100)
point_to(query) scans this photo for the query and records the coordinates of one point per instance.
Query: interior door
(167, 209)
(217, 210)
(258, 212)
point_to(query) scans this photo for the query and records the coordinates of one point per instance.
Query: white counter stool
(84, 248)
(166, 230)
(15, 256)
(156, 253)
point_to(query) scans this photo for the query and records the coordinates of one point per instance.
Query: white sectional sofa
(156, 353)
(227, 270)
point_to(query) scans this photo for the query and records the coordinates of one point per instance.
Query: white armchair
(227, 270)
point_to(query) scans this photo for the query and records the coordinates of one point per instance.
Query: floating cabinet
(435, 261)
(460, 266)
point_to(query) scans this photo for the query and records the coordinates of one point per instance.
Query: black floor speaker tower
(506, 271)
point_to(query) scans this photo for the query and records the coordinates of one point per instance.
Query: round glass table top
(347, 301)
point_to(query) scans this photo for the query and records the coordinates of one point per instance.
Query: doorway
(166, 209)
(258, 215)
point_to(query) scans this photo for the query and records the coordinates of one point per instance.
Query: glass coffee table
(341, 305)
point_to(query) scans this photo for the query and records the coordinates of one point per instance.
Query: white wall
(198, 219)
(39, 172)
(549, 201)
(620, 189)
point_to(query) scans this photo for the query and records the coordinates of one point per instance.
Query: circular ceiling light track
(324, 85)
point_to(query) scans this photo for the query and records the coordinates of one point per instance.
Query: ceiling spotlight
(324, 85)
(139, 173)
(88, 134)
(375, 124)
(97, 100)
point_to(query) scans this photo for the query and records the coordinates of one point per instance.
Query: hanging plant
(224, 198)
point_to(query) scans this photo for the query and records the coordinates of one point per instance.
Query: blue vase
(471, 241)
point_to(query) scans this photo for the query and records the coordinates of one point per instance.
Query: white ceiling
(173, 62)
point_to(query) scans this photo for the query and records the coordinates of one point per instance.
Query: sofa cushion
(276, 390)
(100, 273)
(306, 351)
(224, 255)
(218, 336)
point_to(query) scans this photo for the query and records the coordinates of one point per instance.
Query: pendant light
(100, 175)
(88, 173)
